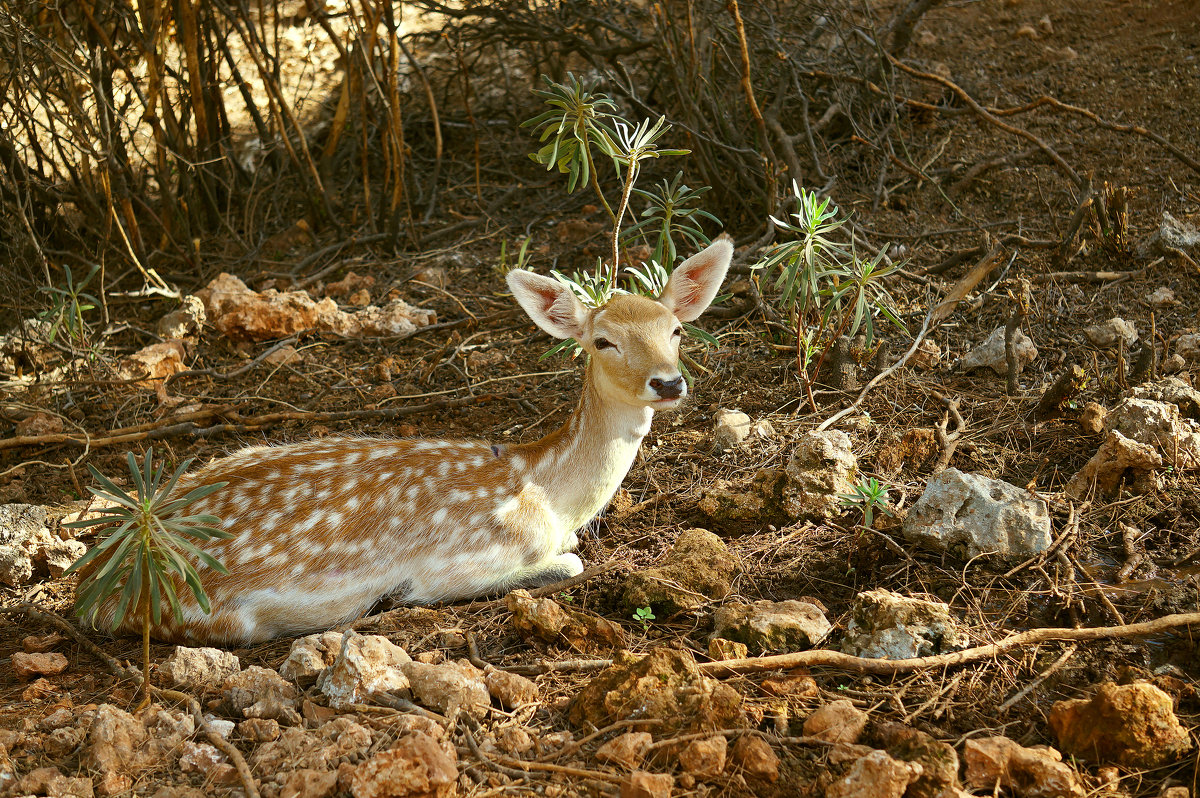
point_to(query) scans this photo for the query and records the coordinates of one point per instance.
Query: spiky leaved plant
(146, 548)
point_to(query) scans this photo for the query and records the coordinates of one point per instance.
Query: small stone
(999, 763)
(308, 783)
(514, 740)
(625, 750)
(1161, 296)
(772, 627)
(763, 430)
(258, 730)
(1026, 31)
(731, 427)
(39, 644)
(1091, 419)
(51, 782)
(1174, 364)
(1109, 333)
(350, 284)
(927, 357)
(512, 690)
(115, 742)
(415, 767)
(889, 625)
(112, 784)
(991, 353)
(704, 759)
(821, 469)
(258, 692)
(27, 666)
(1045, 25)
(309, 656)
(1117, 459)
(642, 784)
(220, 726)
(837, 722)
(698, 569)
(551, 622)
(199, 668)
(721, 649)
(1130, 725)
(37, 690)
(23, 530)
(875, 775)
(756, 759)
(366, 664)
(39, 424)
(797, 683)
(938, 760)
(1187, 346)
(150, 365)
(449, 687)
(200, 758)
(283, 356)
(183, 322)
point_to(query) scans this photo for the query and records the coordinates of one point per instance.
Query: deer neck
(581, 465)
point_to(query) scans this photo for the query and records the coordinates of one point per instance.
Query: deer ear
(694, 282)
(548, 302)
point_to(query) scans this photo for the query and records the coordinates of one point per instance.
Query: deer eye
(677, 332)
(604, 343)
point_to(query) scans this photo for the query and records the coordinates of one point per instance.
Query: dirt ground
(1131, 63)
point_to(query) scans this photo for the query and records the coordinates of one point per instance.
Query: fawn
(324, 529)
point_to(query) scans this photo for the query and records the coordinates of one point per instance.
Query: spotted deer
(323, 529)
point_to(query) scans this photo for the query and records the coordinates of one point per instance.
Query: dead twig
(947, 440)
(1041, 677)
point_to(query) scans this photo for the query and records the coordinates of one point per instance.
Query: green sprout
(138, 559)
(867, 497)
(644, 615)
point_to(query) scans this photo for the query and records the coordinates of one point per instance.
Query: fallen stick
(836, 659)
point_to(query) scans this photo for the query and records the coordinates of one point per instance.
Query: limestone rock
(699, 568)
(1092, 418)
(991, 353)
(1028, 772)
(415, 767)
(116, 742)
(625, 750)
(837, 722)
(665, 685)
(641, 784)
(821, 469)
(938, 760)
(720, 648)
(151, 364)
(262, 693)
(365, 664)
(1187, 346)
(309, 656)
(185, 321)
(309, 783)
(30, 666)
(448, 687)
(970, 514)
(23, 532)
(1130, 725)
(772, 627)
(199, 668)
(1160, 425)
(725, 501)
(1118, 458)
(1161, 297)
(511, 689)
(551, 622)
(1171, 390)
(875, 775)
(797, 683)
(704, 759)
(755, 758)
(51, 782)
(259, 730)
(892, 626)
(59, 555)
(730, 428)
(1109, 333)
(1172, 234)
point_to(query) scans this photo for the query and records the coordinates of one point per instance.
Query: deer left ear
(695, 282)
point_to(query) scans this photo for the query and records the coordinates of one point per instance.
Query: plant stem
(145, 656)
(630, 179)
(596, 183)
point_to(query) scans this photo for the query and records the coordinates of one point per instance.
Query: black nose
(668, 389)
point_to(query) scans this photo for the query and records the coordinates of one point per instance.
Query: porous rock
(1187, 346)
(699, 568)
(203, 758)
(991, 353)
(796, 683)
(448, 687)
(151, 364)
(309, 783)
(665, 685)
(415, 767)
(1173, 391)
(724, 500)
(551, 622)
(875, 775)
(993, 762)
(626, 750)
(772, 627)
(704, 759)
(1091, 418)
(1118, 459)
(30, 666)
(58, 555)
(753, 755)
(260, 692)
(365, 664)
(1111, 332)
(183, 322)
(730, 428)
(199, 668)
(1130, 725)
(1172, 234)
(511, 689)
(1160, 425)
(309, 656)
(970, 514)
(821, 469)
(115, 742)
(837, 722)
(643, 784)
(720, 648)
(319, 749)
(259, 730)
(938, 760)
(23, 532)
(889, 625)
(51, 782)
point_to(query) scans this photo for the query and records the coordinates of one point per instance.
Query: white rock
(197, 668)
(448, 687)
(731, 428)
(772, 626)
(822, 467)
(1160, 425)
(990, 354)
(23, 532)
(980, 515)
(222, 727)
(889, 625)
(1187, 346)
(183, 322)
(1161, 296)
(310, 656)
(1110, 333)
(875, 775)
(366, 664)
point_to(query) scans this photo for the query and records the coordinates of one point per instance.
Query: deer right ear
(548, 302)
(694, 282)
